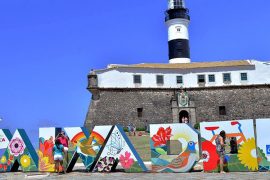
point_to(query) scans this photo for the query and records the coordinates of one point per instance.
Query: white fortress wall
(123, 77)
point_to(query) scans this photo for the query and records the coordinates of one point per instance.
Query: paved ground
(147, 176)
(79, 174)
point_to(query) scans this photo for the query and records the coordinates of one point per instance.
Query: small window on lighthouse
(178, 28)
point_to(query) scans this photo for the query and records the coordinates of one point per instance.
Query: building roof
(185, 65)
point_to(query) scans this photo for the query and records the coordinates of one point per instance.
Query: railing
(177, 13)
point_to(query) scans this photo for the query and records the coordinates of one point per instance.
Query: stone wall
(241, 103)
(117, 106)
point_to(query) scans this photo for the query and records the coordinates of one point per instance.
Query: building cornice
(190, 88)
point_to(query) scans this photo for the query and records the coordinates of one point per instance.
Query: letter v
(118, 148)
(86, 146)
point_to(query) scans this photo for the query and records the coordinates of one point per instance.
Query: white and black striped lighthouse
(177, 20)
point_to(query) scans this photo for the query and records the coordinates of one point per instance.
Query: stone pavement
(141, 176)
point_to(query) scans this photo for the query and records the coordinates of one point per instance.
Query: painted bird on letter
(87, 146)
(185, 161)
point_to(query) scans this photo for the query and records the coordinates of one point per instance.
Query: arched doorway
(183, 115)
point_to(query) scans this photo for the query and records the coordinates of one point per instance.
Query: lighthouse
(177, 20)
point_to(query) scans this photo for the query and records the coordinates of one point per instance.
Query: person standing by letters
(64, 141)
(58, 150)
(220, 147)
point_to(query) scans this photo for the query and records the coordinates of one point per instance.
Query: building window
(201, 78)
(226, 77)
(244, 77)
(160, 79)
(179, 79)
(137, 79)
(211, 78)
(140, 112)
(222, 110)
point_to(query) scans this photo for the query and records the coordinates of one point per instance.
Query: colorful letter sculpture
(5, 137)
(20, 152)
(174, 147)
(239, 134)
(118, 148)
(45, 152)
(263, 143)
(95, 149)
(86, 147)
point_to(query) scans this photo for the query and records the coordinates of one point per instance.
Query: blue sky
(47, 48)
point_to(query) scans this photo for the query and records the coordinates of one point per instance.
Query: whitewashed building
(206, 74)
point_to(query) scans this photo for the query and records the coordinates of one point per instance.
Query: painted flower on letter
(105, 164)
(126, 161)
(209, 155)
(3, 159)
(162, 136)
(44, 163)
(247, 154)
(16, 147)
(25, 161)
(46, 146)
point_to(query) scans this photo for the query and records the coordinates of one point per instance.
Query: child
(58, 150)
